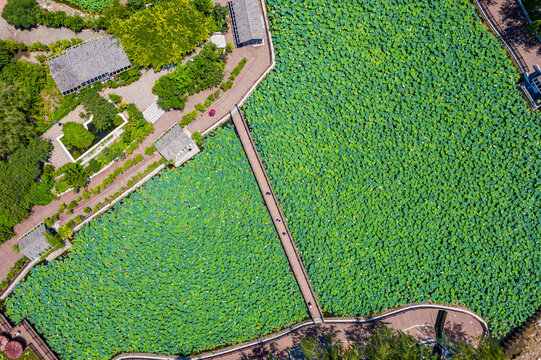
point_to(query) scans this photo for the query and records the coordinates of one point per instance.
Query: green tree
(486, 349)
(76, 135)
(15, 128)
(204, 6)
(21, 13)
(327, 349)
(386, 344)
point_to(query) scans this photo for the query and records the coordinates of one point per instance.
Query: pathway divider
(277, 216)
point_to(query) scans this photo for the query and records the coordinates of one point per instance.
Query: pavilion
(88, 62)
(247, 22)
(34, 243)
(176, 146)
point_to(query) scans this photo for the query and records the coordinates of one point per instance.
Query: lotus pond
(405, 159)
(189, 262)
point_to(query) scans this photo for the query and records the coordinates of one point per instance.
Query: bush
(122, 106)
(6, 233)
(67, 104)
(104, 112)
(87, 210)
(238, 69)
(115, 98)
(229, 48)
(76, 135)
(149, 150)
(200, 107)
(188, 118)
(204, 72)
(65, 232)
(93, 167)
(208, 102)
(196, 136)
(226, 85)
(72, 204)
(21, 13)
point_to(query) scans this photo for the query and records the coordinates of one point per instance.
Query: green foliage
(226, 85)
(15, 128)
(188, 118)
(219, 15)
(204, 72)
(403, 156)
(76, 135)
(149, 150)
(87, 210)
(67, 104)
(21, 13)
(27, 355)
(487, 349)
(386, 344)
(12, 273)
(115, 98)
(200, 107)
(104, 112)
(196, 136)
(6, 233)
(163, 34)
(18, 186)
(65, 233)
(125, 78)
(327, 349)
(236, 71)
(207, 273)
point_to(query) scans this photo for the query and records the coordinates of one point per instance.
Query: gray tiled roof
(34, 242)
(174, 143)
(248, 20)
(88, 61)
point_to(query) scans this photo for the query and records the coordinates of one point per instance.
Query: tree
(104, 112)
(486, 349)
(15, 128)
(386, 344)
(203, 6)
(76, 135)
(21, 13)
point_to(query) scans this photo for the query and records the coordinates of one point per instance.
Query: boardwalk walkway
(417, 320)
(510, 22)
(277, 216)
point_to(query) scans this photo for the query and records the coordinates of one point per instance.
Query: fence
(42, 351)
(511, 49)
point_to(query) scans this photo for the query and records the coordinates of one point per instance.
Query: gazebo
(14, 349)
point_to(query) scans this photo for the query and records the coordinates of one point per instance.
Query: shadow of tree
(514, 23)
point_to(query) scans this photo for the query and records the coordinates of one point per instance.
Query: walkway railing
(280, 223)
(519, 60)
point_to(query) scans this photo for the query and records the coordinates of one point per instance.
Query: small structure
(218, 39)
(33, 244)
(532, 87)
(247, 22)
(88, 62)
(14, 349)
(176, 146)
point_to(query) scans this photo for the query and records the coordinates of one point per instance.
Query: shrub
(76, 135)
(97, 207)
(207, 103)
(93, 167)
(200, 107)
(115, 98)
(65, 232)
(196, 136)
(149, 150)
(204, 72)
(226, 85)
(236, 71)
(87, 210)
(104, 112)
(21, 13)
(188, 118)
(122, 106)
(229, 48)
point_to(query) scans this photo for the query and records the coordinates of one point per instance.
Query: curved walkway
(277, 217)
(461, 322)
(509, 22)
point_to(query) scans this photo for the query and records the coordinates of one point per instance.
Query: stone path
(277, 217)
(507, 17)
(460, 323)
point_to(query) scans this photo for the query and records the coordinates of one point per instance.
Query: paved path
(417, 320)
(507, 17)
(278, 218)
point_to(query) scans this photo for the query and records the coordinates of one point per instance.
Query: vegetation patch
(404, 157)
(189, 262)
(163, 34)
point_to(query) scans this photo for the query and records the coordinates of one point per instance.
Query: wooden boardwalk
(277, 217)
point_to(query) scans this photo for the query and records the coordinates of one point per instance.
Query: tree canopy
(21, 13)
(77, 135)
(164, 33)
